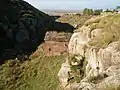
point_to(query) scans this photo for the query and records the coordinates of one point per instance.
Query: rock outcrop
(101, 50)
(79, 41)
(58, 36)
(63, 74)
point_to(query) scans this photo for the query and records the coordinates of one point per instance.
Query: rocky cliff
(94, 53)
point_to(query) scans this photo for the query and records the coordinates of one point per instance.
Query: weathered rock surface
(63, 74)
(57, 36)
(79, 42)
(102, 70)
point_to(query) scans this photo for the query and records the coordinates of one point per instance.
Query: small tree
(118, 7)
(87, 11)
(101, 10)
(91, 12)
(107, 10)
(98, 11)
(115, 10)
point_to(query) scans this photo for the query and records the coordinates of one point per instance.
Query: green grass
(77, 71)
(110, 25)
(39, 73)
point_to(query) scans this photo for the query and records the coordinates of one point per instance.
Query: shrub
(87, 11)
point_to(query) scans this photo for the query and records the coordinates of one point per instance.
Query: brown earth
(51, 48)
(56, 43)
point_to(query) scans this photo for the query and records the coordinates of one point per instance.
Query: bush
(87, 11)
(97, 12)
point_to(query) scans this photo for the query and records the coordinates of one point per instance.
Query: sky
(73, 4)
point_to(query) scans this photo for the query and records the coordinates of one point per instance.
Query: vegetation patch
(39, 73)
(110, 26)
(78, 64)
(76, 20)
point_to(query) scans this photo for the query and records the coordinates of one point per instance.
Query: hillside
(23, 63)
(94, 52)
(75, 19)
(72, 52)
(22, 28)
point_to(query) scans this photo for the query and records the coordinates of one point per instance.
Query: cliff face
(22, 27)
(94, 53)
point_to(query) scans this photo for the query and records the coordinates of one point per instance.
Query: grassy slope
(37, 74)
(74, 19)
(110, 26)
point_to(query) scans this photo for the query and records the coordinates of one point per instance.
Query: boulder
(63, 74)
(79, 42)
(96, 32)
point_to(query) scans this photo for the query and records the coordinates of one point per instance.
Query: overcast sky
(73, 4)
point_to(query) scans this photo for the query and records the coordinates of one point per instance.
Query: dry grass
(110, 88)
(110, 25)
(74, 19)
(39, 73)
